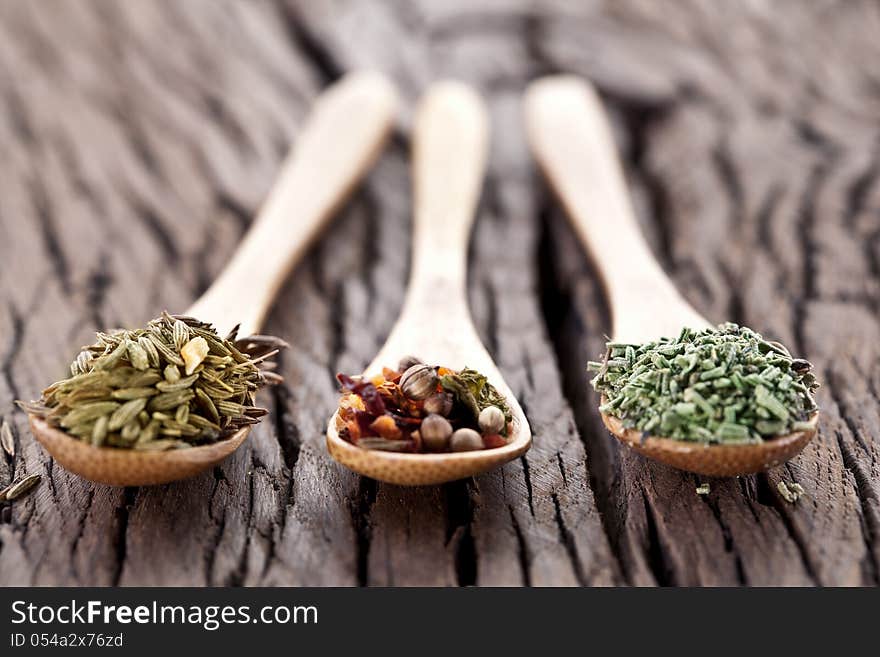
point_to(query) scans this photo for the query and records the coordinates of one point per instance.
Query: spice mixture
(422, 408)
(175, 383)
(720, 385)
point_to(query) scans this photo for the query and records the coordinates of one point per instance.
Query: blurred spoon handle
(341, 138)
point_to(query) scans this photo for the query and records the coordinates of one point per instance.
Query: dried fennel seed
(721, 385)
(7, 439)
(19, 488)
(174, 384)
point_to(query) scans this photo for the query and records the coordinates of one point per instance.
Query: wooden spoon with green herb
(449, 157)
(572, 142)
(340, 139)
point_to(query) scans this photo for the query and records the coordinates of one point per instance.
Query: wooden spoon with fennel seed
(342, 136)
(572, 142)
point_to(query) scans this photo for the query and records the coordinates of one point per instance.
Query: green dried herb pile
(720, 385)
(175, 383)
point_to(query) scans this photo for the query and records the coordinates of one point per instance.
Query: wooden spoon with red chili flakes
(421, 408)
(450, 148)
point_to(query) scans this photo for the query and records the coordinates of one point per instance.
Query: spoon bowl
(339, 141)
(450, 144)
(427, 469)
(464, 350)
(573, 144)
(126, 467)
(714, 460)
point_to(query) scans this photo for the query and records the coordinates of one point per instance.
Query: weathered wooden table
(139, 138)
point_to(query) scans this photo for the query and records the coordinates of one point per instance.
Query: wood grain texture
(139, 139)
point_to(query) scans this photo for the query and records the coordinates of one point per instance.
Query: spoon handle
(340, 139)
(572, 141)
(450, 140)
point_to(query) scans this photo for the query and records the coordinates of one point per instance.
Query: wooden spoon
(572, 142)
(449, 152)
(341, 138)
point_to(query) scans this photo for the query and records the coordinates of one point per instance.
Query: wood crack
(239, 574)
(656, 557)
(286, 431)
(361, 509)
(770, 498)
(459, 517)
(120, 544)
(807, 215)
(43, 212)
(156, 228)
(81, 528)
(765, 216)
(568, 541)
(290, 444)
(869, 518)
(565, 332)
(17, 324)
(528, 481)
(729, 544)
(219, 523)
(312, 47)
(99, 281)
(523, 554)
(860, 190)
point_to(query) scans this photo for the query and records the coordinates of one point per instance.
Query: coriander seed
(466, 440)
(419, 382)
(435, 432)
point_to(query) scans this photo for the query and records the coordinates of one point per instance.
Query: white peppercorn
(435, 432)
(491, 420)
(466, 440)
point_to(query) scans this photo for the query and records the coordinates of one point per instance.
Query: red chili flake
(385, 427)
(364, 420)
(347, 382)
(366, 390)
(391, 375)
(491, 440)
(404, 421)
(352, 431)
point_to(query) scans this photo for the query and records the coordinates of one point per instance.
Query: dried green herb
(719, 385)
(127, 390)
(473, 391)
